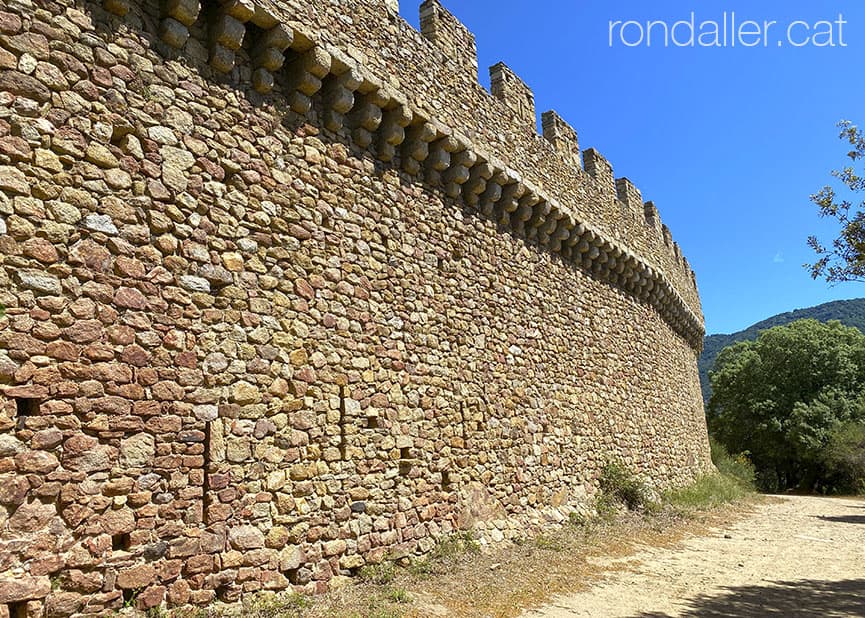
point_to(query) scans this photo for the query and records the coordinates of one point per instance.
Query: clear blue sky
(728, 142)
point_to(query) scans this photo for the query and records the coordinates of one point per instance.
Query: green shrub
(708, 492)
(737, 467)
(620, 485)
(844, 459)
(378, 574)
(398, 595)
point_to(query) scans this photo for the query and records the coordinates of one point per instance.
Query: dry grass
(505, 581)
(460, 580)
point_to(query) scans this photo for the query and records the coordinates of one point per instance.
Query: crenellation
(600, 169)
(630, 196)
(506, 86)
(562, 136)
(652, 217)
(668, 236)
(450, 36)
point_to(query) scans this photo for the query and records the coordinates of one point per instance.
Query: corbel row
(381, 120)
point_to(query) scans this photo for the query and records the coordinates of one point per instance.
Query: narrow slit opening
(121, 542)
(17, 609)
(25, 407)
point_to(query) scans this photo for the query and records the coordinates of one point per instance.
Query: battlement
(450, 36)
(563, 137)
(514, 93)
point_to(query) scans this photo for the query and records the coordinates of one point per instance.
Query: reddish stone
(102, 77)
(46, 439)
(45, 565)
(121, 335)
(135, 356)
(14, 590)
(31, 516)
(61, 604)
(129, 267)
(62, 350)
(167, 391)
(147, 408)
(118, 521)
(304, 289)
(178, 593)
(127, 391)
(39, 462)
(188, 360)
(112, 405)
(98, 352)
(84, 331)
(16, 148)
(130, 298)
(113, 372)
(202, 563)
(78, 444)
(80, 581)
(40, 249)
(151, 597)
(21, 84)
(13, 490)
(93, 256)
(10, 23)
(136, 577)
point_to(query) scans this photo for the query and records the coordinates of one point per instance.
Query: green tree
(845, 259)
(845, 458)
(781, 396)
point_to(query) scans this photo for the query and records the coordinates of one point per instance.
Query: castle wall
(287, 293)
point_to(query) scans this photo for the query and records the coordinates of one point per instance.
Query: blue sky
(728, 142)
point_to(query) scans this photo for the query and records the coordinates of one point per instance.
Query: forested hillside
(848, 312)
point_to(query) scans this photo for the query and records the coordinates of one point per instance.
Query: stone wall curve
(287, 293)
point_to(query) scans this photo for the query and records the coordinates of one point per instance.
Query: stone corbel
(305, 74)
(178, 16)
(268, 56)
(227, 32)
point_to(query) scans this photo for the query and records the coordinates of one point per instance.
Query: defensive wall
(288, 292)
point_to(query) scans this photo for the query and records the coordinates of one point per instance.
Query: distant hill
(848, 312)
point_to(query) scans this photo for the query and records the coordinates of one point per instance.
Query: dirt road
(797, 557)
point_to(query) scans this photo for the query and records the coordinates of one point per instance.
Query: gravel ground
(793, 557)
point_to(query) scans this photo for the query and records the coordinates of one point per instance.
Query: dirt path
(799, 556)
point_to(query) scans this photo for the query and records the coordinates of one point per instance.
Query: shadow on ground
(844, 519)
(794, 599)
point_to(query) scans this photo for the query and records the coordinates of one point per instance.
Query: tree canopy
(784, 396)
(844, 260)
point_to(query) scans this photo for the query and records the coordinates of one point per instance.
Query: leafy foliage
(845, 259)
(848, 312)
(782, 396)
(736, 467)
(618, 484)
(845, 458)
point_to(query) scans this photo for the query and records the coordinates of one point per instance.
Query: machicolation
(289, 293)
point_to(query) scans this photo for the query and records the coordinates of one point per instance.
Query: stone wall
(287, 292)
